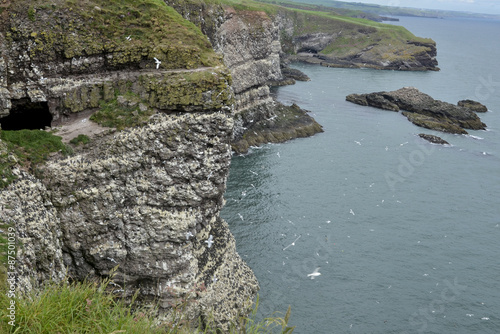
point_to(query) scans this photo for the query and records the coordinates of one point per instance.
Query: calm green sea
(406, 233)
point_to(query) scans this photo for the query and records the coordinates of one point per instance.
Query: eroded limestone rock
(145, 199)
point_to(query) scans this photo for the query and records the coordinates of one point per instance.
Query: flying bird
(315, 273)
(293, 243)
(158, 62)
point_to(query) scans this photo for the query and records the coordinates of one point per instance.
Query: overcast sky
(476, 6)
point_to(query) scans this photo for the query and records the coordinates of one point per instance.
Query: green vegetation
(355, 34)
(91, 307)
(33, 146)
(133, 30)
(75, 308)
(251, 5)
(80, 139)
(122, 112)
(26, 148)
(31, 13)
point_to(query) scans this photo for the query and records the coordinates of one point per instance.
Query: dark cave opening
(25, 114)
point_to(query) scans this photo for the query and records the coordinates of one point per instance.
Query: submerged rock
(433, 139)
(423, 110)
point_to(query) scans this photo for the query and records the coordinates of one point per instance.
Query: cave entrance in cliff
(25, 114)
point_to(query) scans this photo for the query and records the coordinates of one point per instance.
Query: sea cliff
(249, 40)
(159, 103)
(145, 192)
(257, 40)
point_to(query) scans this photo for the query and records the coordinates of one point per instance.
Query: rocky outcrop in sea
(423, 110)
(433, 139)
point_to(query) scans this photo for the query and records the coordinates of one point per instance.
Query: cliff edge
(144, 193)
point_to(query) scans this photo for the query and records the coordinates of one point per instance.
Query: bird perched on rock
(210, 241)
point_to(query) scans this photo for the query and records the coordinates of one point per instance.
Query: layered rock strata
(145, 199)
(422, 110)
(334, 42)
(249, 42)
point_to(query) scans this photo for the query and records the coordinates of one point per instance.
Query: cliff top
(135, 31)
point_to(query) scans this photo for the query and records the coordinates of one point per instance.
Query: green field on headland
(345, 41)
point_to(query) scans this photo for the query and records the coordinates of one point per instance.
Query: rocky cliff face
(146, 198)
(249, 42)
(335, 42)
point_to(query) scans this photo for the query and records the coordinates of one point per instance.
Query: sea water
(406, 233)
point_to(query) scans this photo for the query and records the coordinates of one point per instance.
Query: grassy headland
(346, 8)
(351, 41)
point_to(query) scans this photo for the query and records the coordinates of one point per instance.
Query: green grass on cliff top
(330, 15)
(91, 307)
(357, 33)
(136, 29)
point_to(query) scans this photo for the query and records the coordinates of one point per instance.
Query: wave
(474, 137)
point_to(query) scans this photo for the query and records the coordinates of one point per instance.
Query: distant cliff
(257, 39)
(337, 41)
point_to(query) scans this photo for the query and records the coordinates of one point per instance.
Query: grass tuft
(26, 148)
(85, 307)
(122, 112)
(34, 145)
(90, 307)
(80, 139)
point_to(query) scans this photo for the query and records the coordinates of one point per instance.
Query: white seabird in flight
(158, 62)
(315, 273)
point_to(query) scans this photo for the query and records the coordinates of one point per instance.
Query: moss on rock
(130, 32)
